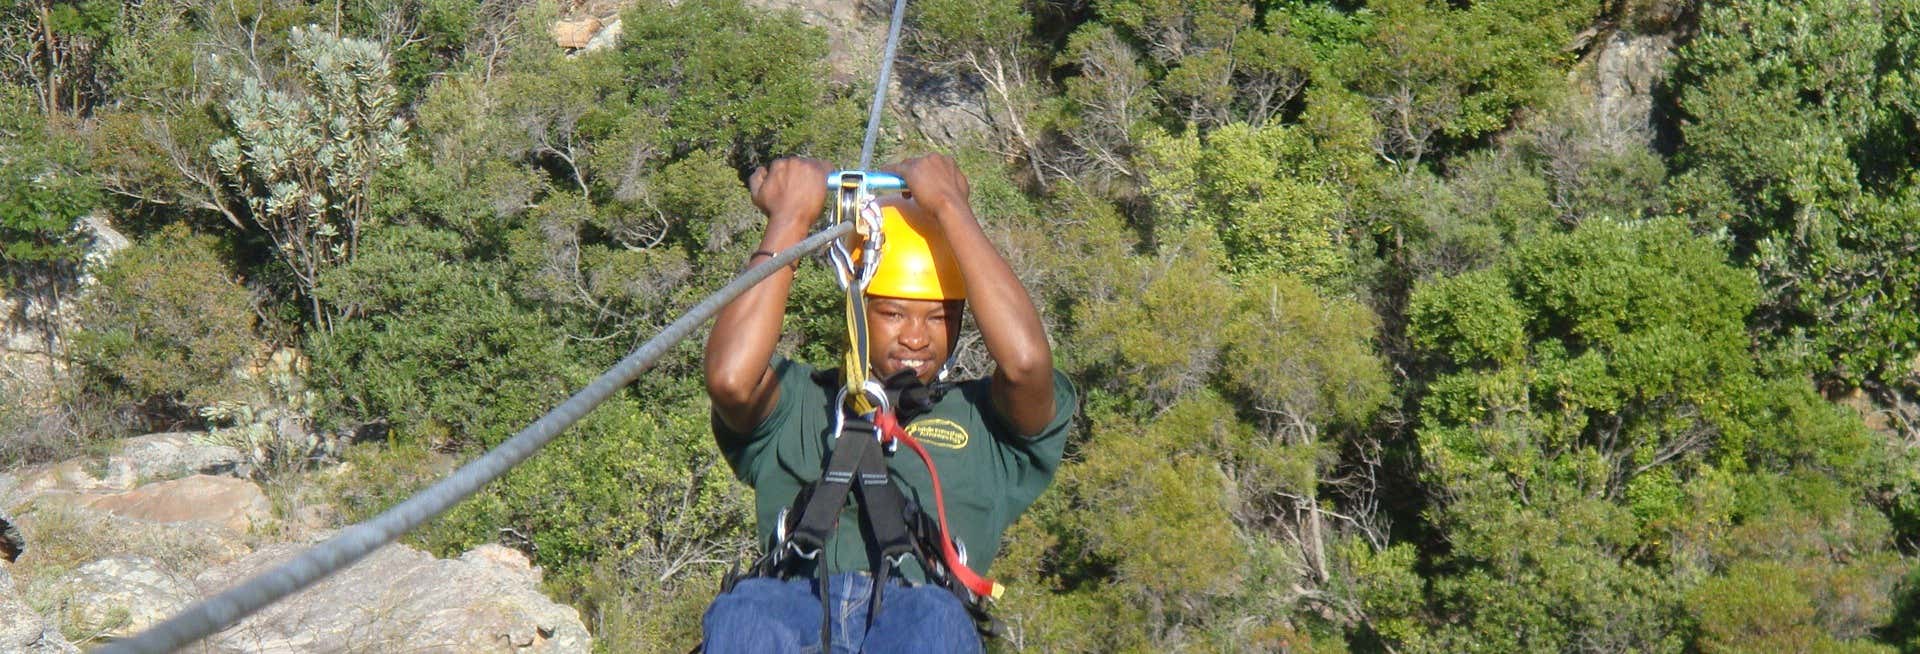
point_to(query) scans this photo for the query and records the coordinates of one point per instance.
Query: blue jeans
(763, 615)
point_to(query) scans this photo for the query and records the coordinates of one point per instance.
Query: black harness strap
(823, 501)
(883, 508)
(883, 521)
(821, 512)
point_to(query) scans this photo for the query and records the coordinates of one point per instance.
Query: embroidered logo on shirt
(939, 432)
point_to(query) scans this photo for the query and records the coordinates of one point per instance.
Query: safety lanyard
(891, 433)
(855, 200)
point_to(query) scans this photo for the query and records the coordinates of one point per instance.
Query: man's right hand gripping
(791, 192)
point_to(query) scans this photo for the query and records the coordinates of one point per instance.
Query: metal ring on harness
(878, 394)
(875, 392)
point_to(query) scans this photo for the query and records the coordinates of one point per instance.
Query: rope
(355, 542)
(880, 90)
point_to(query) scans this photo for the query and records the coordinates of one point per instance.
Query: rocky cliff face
(1618, 79)
(929, 107)
(35, 314)
(113, 547)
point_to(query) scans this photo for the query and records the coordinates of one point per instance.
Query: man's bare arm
(743, 388)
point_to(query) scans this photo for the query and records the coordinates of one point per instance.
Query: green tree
(1595, 423)
(990, 44)
(1778, 587)
(1797, 140)
(424, 37)
(731, 79)
(303, 160)
(1439, 76)
(44, 189)
(1308, 476)
(1105, 110)
(467, 171)
(1271, 194)
(1142, 335)
(444, 351)
(1215, 63)
(1212, 504)
(59, 46)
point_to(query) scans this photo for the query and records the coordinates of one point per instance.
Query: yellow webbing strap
(857, 352)
(858, 365)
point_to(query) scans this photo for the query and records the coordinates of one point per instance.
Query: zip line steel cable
(357, 541)
(880, 89)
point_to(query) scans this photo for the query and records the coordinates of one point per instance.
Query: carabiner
(875, 392)
(856, 199)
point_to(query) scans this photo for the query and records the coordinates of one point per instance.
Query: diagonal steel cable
(880, 89)
(355, 542)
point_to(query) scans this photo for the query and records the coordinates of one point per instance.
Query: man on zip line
(993, 443)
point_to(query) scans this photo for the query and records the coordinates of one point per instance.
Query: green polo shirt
(988, 473)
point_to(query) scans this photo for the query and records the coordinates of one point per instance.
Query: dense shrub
(167, 324)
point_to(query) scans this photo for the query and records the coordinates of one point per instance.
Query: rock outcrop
(576, 33)
(159, 547)
(123, 595)
(234, 504)
(1625, 73)
(172, 455)
(21, 629)
(140, 459)
(488, 600)
(36, 312)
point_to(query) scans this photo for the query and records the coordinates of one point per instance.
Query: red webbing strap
(890, 431)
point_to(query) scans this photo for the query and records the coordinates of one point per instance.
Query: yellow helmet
(915, 260)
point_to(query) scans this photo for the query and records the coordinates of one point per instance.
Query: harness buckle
(898, 559)
(780, 525)
(803, 552)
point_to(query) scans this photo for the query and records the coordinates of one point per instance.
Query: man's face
(916, 334)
